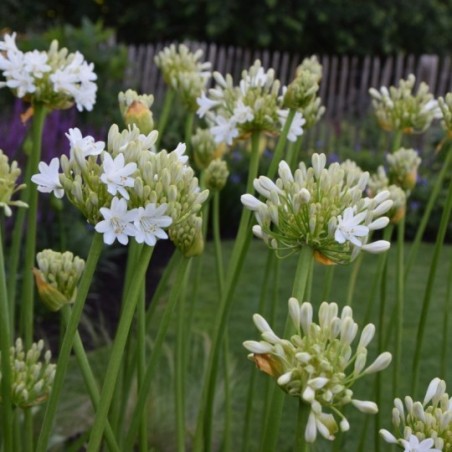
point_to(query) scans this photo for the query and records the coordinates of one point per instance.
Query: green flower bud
(32, 377)
(216, 175)
(57, 277)
(136, 110)
(9, 173)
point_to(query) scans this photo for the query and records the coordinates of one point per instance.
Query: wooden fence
(344, 86)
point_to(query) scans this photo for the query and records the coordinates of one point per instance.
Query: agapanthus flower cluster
(57, 277)
(205, 149)
(400, 109)
(136, 110)
(235, 111)
(126, 189)
(55, 78)
(9, 173)
(403, 165)
(445, 105)
(183, 72)
(301, 94)
(428, 422)
(31, 376)
(319, 207)
(318, 364)
(216, 175)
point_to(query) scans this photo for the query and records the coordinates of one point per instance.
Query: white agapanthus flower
(55, 77)
(87, 145)
(319, 207)
(48, 179)
(117, 174)
(225, 130)
(118, 222)
(296, 127)
(149, 223)
(423, 426)
(318, 363)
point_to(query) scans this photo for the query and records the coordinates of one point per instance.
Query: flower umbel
(323, 208)
(32, 377)
(57, 277)
(9, 173)
(317, 364)
(422, 425)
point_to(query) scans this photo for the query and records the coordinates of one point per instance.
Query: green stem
(328, 282)
(447, 310)
(271, 430)
(27, 305)
(279, 150)
(302, 418)
(251, 387)
(429, 288)
(156, 351)
(6, 371)
(28, 430)
(400, 300)
(181, 369)
(164, 116)
(217, 241)
(141, 363)
(204, 421)
(117, 351)
(88, 376)
(227, 397)
(66, 346)
(397, 140)
(445, 169)
(188, 131)
(353, 278)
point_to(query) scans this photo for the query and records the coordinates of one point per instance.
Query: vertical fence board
(343, 78)
(284, 69)
(364, 85)
(398, 73)
(443, 77)
(386, 72)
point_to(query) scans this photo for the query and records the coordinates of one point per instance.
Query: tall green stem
(273, 422)
(141, 362)
(66, 346)
(279, 150)
(27, 305)
(400, 300)
(447, 310)
(164, 116)
(117, 351)
(429, 288)
(445, 169)
(6, 373)
(181, 366)
(188, 131)
(155, 355)
(88, 376)
(302, 418)
(204, 422)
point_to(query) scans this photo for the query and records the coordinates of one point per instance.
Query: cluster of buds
(183, 72)
(427, 423)
(55, 78)
(301, 94)
(403, 165)
(32, 378)
(234, 111)
(136, 110)
(216, 175)
(322, 208)
(127, 189)
(205, 150)
(57, 277)
(9, 173)
(445, 105)
(399, 109)
(318, 364)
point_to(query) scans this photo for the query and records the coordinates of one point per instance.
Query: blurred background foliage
(357, 27)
